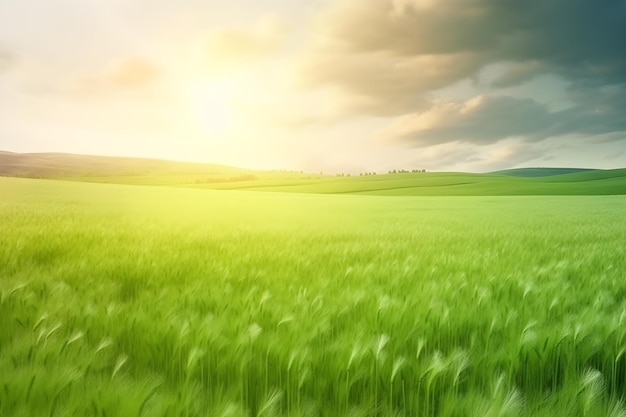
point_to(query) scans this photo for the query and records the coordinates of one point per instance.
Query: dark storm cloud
(517, 74)
(482, 120)
(489, 119)
(599, 109)
(576, 38)
(397, 53)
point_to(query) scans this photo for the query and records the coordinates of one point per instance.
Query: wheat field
(151, 301)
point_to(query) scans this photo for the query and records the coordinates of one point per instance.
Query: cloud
(517, 74)
(489, 119)
(481, 120)
(8, 60)
(476, 158)
(121, 75)
(598, 110)
(386, 83)
(389, 50)
(393, 56)
(577, 38)
(126, 74)
(226, 48)
(508, 154)
(615, 155)
(132, 72)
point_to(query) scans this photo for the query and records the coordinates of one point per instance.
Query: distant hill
(590, 175)
(56, 165)
(540, 172)
(141, 171)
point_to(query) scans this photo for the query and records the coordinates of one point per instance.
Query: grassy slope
(539, 172)
(51, 165)
(156, 172)
(611, 174)
(152, 301)
(440, 184)
(434, 184)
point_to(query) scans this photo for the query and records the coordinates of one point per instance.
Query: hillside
(540, 172)
(610, 182)
(55, 165)
(136, 171)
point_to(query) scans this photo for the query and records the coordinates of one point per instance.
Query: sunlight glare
(215, 106)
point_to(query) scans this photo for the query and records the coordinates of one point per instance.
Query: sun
(215, 106)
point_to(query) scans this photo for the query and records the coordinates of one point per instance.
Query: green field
(541, 172)
(137, 171)
(127, 300)
(596, 182)
(609, 182)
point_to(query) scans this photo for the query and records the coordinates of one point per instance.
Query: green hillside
(540, 172)
(595, 175)
(62, 165)
(527, 181)
(609, 182)
(441, 184)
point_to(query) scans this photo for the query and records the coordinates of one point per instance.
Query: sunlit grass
(140, 301)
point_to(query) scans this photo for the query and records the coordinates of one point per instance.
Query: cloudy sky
(332, 85)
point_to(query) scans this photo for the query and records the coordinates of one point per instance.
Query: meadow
(137, 171)
(595, 182)
(127, 300)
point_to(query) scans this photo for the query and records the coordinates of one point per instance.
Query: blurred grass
(151, 301)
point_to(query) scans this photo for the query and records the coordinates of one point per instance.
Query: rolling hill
(138, 171)
(58, 165)
(540, 172)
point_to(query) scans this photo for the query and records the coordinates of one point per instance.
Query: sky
(319, 85)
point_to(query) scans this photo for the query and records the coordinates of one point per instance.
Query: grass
(151, 301)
